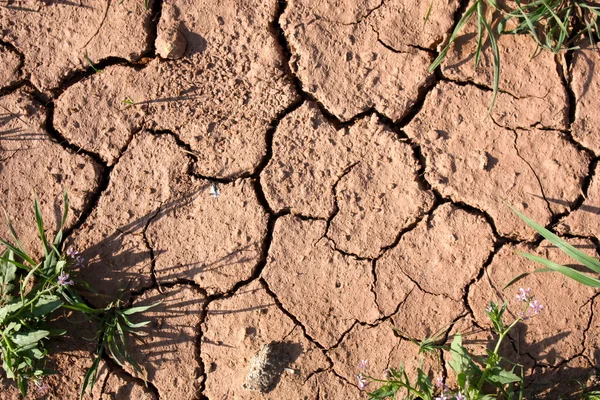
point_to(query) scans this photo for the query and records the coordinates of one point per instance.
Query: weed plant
(554, 25)
(31, 292)
(475, 376)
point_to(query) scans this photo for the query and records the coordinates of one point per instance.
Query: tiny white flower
(214, 190)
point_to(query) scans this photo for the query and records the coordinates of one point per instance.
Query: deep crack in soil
(346, 120)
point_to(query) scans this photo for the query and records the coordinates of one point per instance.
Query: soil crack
(539, 181)
(108, 4)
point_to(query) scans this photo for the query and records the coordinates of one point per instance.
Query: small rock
(266, 368)
(171, 43)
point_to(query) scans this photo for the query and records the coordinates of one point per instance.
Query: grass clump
(554, 25)
(478, 378)
(31, 292)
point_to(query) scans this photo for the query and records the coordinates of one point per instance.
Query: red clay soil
(290, 181)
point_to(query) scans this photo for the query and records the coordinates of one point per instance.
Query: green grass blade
(465, 18)
(428, 13)
(523, 275)
(18, 252)
(90, 63)
(556, 17)
(90, 377)
(569, 272)
(15, 263)
(135, 310)
(563, 34)
(529, 23)
(40, 224)
(480, 18)
(571, 251)
(13, 233)
(26, 280)
(59, 235)
(134, 325)
(496, 53)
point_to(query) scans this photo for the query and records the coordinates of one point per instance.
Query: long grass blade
(571, 251)
(465, 18)
(567, 271)
(480, 17)
(496, 54)
(18, 252)
(40, 224)
(428, 13)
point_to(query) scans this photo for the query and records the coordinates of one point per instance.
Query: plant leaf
(45, 305)
(90, 376)
(465, 18)
(8, 275)
(40, 224)
(24, 339)
(18, 252)
(496, 54)
(569, 272)
(571, 251)
(135, 310)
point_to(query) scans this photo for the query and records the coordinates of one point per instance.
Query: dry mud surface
(288, 179)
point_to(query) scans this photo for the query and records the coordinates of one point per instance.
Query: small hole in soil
(250, 331)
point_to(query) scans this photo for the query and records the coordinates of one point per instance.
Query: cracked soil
(357, 192)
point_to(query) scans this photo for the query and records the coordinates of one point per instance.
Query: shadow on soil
(583, 207)
(543, 383)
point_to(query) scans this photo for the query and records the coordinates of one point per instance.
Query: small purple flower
(71, 252)
(439, 382)
(41, 387)
(362, 365)
(524, 294)
(442, 397)
(362, 381)
(459, 396)
(63, 279)
(80, 262)
(535, 307)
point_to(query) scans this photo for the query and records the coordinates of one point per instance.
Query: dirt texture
(55, 37)
(539, 98)
(585, 220)
(591, 337)
(223, 238)
(363, 175)
(119, 386)
(558, 333)
(347, 53)
(304, 270)
(290, 183)
(33, 161)
(449, 240)
(150, 177)
(585, 85)
(235, 330)
(562, 382)
(382, 349)
(522, 167)
(168, 352)
(221, 96)
(10, 64)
